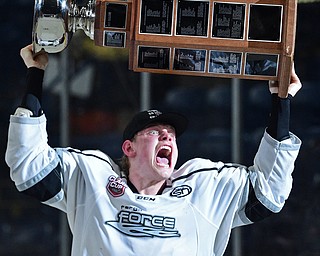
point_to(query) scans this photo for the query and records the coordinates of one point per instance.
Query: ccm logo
(181, 191)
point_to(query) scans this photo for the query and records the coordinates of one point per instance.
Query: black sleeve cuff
(279, 120)
(32, 103)
(33, 94)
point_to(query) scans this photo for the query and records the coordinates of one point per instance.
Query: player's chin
(164, 170)
(163, 167)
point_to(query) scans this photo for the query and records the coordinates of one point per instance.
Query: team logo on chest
(140, 224)
(116, 186)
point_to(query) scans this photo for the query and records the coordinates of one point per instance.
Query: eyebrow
(160, 124)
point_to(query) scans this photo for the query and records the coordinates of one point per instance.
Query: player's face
(156, 151)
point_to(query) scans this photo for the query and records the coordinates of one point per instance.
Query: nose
(166, 135)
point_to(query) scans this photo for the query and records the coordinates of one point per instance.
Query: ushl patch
(116, 186)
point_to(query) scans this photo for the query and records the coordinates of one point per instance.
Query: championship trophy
(247, 39)
(55, 21)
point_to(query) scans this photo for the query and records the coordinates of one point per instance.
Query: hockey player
(144, 206)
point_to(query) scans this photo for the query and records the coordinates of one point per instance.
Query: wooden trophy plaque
(234, 39)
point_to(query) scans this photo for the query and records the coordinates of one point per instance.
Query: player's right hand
(39, 61)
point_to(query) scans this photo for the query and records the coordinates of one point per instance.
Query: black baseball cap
(145, 118)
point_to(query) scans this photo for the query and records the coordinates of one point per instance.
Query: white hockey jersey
(194, 215)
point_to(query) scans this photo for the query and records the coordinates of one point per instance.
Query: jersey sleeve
(270, 179)
(58, 177)
(34, 166)
(271, 173)
(231, 195)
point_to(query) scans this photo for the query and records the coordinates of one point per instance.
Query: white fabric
(194, 215)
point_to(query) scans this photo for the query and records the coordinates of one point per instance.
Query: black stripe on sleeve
(255, 210)
(48, 187)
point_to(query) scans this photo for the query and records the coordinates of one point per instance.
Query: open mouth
(164, 156)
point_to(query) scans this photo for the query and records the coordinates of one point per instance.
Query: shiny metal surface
(55, 21)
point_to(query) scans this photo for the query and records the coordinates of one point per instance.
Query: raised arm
(279, 120)
(31, 102)
(271, 175)
(34, 165)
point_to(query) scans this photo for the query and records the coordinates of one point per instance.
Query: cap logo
(153, 113)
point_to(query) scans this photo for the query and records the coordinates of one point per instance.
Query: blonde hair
(124, 165)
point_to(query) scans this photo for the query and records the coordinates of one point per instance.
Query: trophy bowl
(55, 21)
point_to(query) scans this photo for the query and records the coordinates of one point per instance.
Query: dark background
(96, 119)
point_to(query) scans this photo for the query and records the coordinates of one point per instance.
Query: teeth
(163, 156)
(166, 148)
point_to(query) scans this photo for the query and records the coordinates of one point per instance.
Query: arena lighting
(247, 39)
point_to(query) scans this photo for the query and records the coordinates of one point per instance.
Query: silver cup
(55, 21)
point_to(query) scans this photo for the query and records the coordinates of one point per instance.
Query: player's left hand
(294, 87)
(295, 83)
